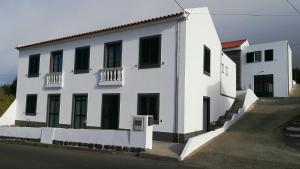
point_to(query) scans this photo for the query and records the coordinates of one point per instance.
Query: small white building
(265, 68)
(171, 67)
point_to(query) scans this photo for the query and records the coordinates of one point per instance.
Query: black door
(206, 114)
(79, 111)
(263, 85)
(53, 110)
(113, 54)
(110, 111)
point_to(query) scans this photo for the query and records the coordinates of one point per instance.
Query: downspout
(177, 46)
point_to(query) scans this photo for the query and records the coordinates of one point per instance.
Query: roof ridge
(121, 26)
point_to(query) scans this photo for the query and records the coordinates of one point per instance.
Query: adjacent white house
(171, 67)
(265, 68)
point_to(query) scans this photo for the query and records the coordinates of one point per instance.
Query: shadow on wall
(218, 105)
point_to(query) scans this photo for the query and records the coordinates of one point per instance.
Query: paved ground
(295, 91)
(31, 157)
(255, 141)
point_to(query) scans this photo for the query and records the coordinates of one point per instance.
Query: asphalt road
(254, 142)
(14, 156)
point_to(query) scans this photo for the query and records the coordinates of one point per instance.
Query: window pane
(150, 52)
(82, 60)
(250, 57)
(113, 55)
(269, 55)
(149, 105)
(206, 60)
(31, 104)
(258, 56)
(56, 61)
(33, 67)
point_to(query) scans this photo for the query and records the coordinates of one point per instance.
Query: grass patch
(5, 101)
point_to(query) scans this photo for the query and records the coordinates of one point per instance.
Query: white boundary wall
(197, 142)
(124, 138)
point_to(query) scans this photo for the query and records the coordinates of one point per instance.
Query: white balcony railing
(111, 76)
(54, 80)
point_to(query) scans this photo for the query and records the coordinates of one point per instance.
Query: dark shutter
(250, 57)
(148, 104)
(34, 66)
(150, 52)
(31, 101)
(82, 60)
(269, 55)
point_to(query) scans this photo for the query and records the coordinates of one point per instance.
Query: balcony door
(56, 62)
(53, 110)
(80, 103)
(113, 55)
(110, 111)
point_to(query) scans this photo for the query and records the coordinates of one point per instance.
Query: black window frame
(51, 68)
(206, 60)
(73, 123)
(250, 57)
(256, 56)
(267, 59)
(149, 95)
(106, 45)
(80, 71)
(27, 111)
(149, 66)
(31, 66)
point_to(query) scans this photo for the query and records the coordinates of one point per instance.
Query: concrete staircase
(292, 130)
(228, 115)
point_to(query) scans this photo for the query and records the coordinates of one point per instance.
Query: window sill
(33, 76)
(30, 114)
(81, 71)
(149, 66)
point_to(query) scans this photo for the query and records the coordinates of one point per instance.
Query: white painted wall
(157, 80)
(228, 76)
(280, 67)
(9, 117)
(195, 32)
(200, 31)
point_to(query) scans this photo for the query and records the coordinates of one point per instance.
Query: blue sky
(27, 21)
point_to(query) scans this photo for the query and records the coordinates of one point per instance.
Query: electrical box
(138, 124)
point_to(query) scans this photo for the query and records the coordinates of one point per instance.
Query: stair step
(293, 135)
(294, 129)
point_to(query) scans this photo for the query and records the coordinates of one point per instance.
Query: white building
(265, 68)
(171, 67)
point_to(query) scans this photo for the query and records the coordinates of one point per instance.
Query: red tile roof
(233, 44)
(102, 30)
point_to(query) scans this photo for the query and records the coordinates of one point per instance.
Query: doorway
(263, 85)
(206, 114)
(53, 110)
(110, 111)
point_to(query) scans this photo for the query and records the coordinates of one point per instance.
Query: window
(206, 66)
(31, 101)
(257, 56)
(250, 57)
(253, 57)
(269, 55)
(80, 103)
(149, 54)
(56, 61)
(82, 60)
(34, 66)
(113, 54)
(148, 104)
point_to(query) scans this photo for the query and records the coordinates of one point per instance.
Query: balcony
(111, 76)
(54, 80)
